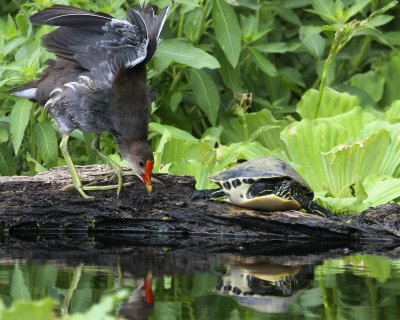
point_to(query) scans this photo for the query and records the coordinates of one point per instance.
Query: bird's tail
(28, 91)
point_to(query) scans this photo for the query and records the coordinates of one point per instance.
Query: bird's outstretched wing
(98, 42)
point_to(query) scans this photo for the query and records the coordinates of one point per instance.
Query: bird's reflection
(141, 301)
(263, 285)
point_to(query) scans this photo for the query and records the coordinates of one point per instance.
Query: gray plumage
(98, 82)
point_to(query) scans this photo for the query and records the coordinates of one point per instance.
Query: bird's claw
(79, 188)
(91, 187)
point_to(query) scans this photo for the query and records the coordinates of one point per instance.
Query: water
(341, 283)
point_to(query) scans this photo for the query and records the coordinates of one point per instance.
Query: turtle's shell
(236, 181)
(264, 168)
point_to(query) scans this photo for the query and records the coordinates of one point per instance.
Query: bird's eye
(141, 163)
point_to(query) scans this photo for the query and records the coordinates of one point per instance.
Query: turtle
(267, 184)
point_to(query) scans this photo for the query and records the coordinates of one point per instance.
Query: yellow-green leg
(118, 170)
(76, 181)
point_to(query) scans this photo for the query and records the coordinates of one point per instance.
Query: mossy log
(32, 206)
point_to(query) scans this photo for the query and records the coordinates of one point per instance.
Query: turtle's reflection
(264, 285)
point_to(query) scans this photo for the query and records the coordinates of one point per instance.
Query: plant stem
(358, 58)
(176, 79)
(181, 24)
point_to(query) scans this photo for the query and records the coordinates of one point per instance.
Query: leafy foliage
(314, 82)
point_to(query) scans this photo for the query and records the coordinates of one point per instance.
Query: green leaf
(18, 289)
(212, 134)
(248, 26)
(175, 133)
(325, 9)
(264, 128)
(333, 103)
(391, 71)
(381, 190)
(34, 164)
(227, 30)
(193, 24)
(23, 24)
(347, 165)
(391, 161)
(371, 82)
(11, 30)
(102, 309)
(278, 47)
(180, 51)
(306, 140)
(392, 37)
(46, 141)
(205, 93)
(392, 114)
(286, 13)
(229, 155)
(19, 119)
(312, 40)
(356, 8)
(175, 150)
(263, 63)
(194, 168)
(189, 158)
(3, 134)
(7, 162)
(32, 310)
(230, 76)
(380, 20)
(175, 100)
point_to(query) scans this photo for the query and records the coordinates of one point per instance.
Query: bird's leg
(118, 170)
(76, 181)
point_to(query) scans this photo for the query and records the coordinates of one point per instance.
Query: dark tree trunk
(31, 206)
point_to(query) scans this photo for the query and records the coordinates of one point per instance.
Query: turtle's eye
(141, 163)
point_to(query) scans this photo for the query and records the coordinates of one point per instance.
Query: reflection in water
(263, 285)
(213, 286)
(141, 301)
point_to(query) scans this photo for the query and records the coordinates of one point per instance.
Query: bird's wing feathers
(100, 43)
(122, 46)
(66, 16)
(154, 25)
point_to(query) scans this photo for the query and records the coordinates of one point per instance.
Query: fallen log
(36, 206)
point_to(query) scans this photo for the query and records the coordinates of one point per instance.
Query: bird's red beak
(147, 175)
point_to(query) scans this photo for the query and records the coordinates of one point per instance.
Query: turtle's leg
(208, 194)
(288, 190)
(311, 206)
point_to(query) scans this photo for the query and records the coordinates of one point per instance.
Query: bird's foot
(79, 187)
(91, 187)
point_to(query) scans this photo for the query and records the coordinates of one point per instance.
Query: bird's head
(141, 161)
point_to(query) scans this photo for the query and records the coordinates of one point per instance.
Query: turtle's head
(141, 161)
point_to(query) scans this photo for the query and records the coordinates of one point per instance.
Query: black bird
(99, 82)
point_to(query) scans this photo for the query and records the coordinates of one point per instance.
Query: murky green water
(330, 285)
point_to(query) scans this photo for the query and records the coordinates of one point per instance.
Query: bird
(98, 82)
(141, 301)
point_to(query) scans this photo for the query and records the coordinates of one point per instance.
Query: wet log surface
(35, 206)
